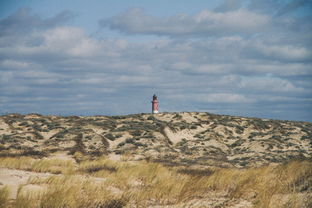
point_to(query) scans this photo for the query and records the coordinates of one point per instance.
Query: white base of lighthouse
(155, 111)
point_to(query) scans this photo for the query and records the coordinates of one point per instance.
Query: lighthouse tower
(155, 104)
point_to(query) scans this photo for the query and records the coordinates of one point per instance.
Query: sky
(108, 57)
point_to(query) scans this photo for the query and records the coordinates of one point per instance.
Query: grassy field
(105, 183)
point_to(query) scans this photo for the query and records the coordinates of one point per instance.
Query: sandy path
(13, 178)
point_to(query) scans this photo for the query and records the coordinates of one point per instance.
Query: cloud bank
(231, 60)
(205, 23)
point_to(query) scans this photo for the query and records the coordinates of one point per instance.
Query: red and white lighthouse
(155, 104)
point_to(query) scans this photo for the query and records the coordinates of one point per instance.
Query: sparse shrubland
(39, 136)
(163, 160)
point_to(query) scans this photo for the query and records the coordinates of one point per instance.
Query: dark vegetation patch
(93, 169)
(23, 151)
(79, 146)
(195, 172)
(259, 124)
(177, 116)
(112, 203)
(110, 136)
(60, 134)
(105, 142)
(136, 133)
(237, 143)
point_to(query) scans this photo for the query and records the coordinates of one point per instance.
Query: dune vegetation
(102, 182)
(172, 160)
(4, 197)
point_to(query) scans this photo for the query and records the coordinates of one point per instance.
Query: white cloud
(135, 21)
(213, 68)
(285, 52)
(13, 64)
(229, 5)
(234, 21)
(70, 40)
(223, 98)
(269, 84)
(181, 66)
(91, 80)
(6, 77)
(134, 79)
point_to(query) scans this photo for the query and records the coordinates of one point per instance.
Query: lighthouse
(155, 104)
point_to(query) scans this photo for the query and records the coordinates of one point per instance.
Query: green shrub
(150, 118)
(136, 133)
(110, 136)
(121, 144)
(237, 143)
(177, 116)
(130, 140)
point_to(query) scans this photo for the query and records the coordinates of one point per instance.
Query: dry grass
(261, 183)
(144, 183)
(53, 165)
(22, 163)
(4, 197)
(101, 164)
(148, 182)
(71, 192)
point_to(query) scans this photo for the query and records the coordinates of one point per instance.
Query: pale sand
(14, 178)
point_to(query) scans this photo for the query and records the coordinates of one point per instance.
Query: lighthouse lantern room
(155, 104)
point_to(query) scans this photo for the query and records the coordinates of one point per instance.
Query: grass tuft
(101, 164)
(4, 197)
(52, 165)
(71, 192)
(23, 163)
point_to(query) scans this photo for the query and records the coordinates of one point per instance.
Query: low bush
(110, 136)
(130, 140)
(136, 133)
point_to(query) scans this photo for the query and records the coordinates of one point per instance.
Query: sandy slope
(201, 138)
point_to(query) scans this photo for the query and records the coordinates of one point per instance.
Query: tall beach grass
(105, 183)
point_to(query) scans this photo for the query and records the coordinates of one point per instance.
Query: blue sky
(237, 57)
